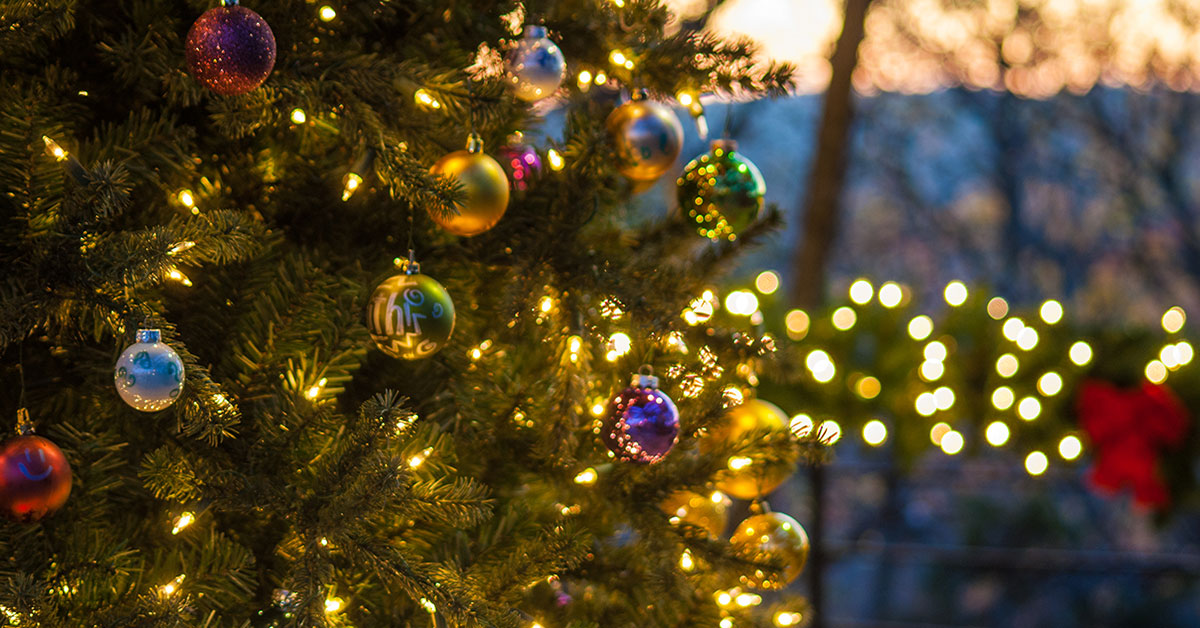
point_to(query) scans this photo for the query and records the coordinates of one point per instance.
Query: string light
(801, 425)
(797, 323)
(1027, 339)
(952, 443)
(333, 604)
(1173, 319)
(1012, 328)
(1169, 356)
(188, 200)
(585, 78)
(786, 618)
(820, 365)
(685, 561)
(180, 247)
(935, 351)
(424, 99)
(172, 587)
(184, 520)
(1050, 384)
(327, 13)
(944, 398)
(350, 184)
(298, 116)
(314, 391)
(574, 345)
(1036, 463)
(618, 58)
(938, 431)
(844, 318)
(1156, 371)
(428, 606)
(997, 433)
(748, 599)
(555, 159)
(890, 294)
(997, 308)
(925, 404)
(737, 463)
(932, 370)
(587, 476)
(741, 303)
(1007, 365)
(861, 291)
(1051, 312)
(1070, 447)
(920, 327)
(177, 275)
(420, 458)
(1003, 398)
(726, 622)
(1080, 353)
(1184, 351)
(868, 387)
(1029, 408)
(619, 344)
(829, 432)
(601, 77)
(767, 282)
(955, 293)
(54, 150)
(546, 304)
(875, 432)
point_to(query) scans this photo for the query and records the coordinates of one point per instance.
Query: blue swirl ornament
(149, 374)
(642, 423)
(536, 67)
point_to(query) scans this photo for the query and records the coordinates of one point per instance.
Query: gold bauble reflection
(757, 479)
(778, 534)
(710, 512)
(486, 189)
(647, 137)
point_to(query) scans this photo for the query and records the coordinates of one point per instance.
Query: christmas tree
(200, 202)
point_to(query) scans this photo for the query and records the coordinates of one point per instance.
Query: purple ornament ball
(230, 50)
(521, 163)
(642, 424)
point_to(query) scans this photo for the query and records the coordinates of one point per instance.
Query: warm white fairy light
(546, 304)
(1184, 352)
(767, 282)
(327, 13)
(1156, 371)
(1012, 328)
(1036, 463)
(585, 78)
(955, 293)
(737, 463)
(1003, 398)
(177, 275)
(1027, 339)
(1051, 312)
(726, 622)
(874, 432)
(333, 604)
(920, 327)
(180, 247)
(298, 116)
(53, 149)
(890, 294)
(1169, 356)
(820, 365)
(925, 404)
(350, 184)
(685, 561)
(943, 397)
(829, 432)
(419, 459)
(184, 520)
(314, 391)
(1173, 319)
(1007, 365)
(952, 442)
(997, 433)
(172, 587)
(1070, 447)
(1029, 408)
(748, 599)
(938, 431)
(797, 323)
(935, 351)
(861, 291)
(844, 318)
(1080, 353)
(997, 308)
(787, 618)
(587, 476)
(801, 425)
(619, 344)
(428, 606)
(1050, 384)
(424, 98)
(741, 302)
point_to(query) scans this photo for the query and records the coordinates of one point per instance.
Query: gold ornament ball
(647, 136)
(486, 188)
(710, 512)
(757, 479)
(781, 536)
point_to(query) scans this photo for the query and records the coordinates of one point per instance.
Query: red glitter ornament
(35, 478)
(230, 49)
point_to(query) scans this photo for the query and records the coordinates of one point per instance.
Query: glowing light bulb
(425, 99)
(182, 521)
(943, 397)
(1080, 353)
(555, 159)
(920, 327)
(298, 116)
(935, 351)
(931, 370)
(767, 282)
(844, 318)
(1029, 408)
(333, 605)
(925, 404)
(327, 13)
(1007, 365)
(890, 294)
(797, 323)
(875, 432)
(1173, 319)
(997, 433)
(861, 291)
(315, 390)
(741, 302)
(587, 476)
(1050, 384)
(350, 185)
(955, 293)
(938, 431)
(1051, 312)
(1156, 371)
(997, 308)
(585, 77)
(1036, 463)
(1027, 339)
(53, 149)
(1012, 328)
(952, 442)
(685, 561)
(1003, 398)
(1070, 447)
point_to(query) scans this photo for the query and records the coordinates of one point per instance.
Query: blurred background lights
(997, 308)
(767, 282)
(1050, 384)
(741, 302)
(867, 387)
(1012, 328)
(955, 293)
(829, 432)
(935, 351)
(997, 433)
(1007, 364)
(844, 318)
(920, 327)
(1173, 319)
(1029, 408)
(944, 398)
(1036, 463)
(785, 618)
(1080, 353)
(796, 322)
(938, 431)
(1070, 447)
(875, 432)
(1003, 398)
(861, 291)
(952, 442)
(801, 425)
(1184, 352)
(890, 294)
(327, 13)
(932, 370)
(925, 404)
(1051, 312)
(1027, 339)
(1169, 356)
(1156, 371)
(298, 116)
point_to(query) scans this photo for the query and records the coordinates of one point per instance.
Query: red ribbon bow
(1128, 429)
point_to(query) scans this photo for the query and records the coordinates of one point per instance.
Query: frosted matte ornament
(149, 374)
(536, 67)
(642, 424)
(410, 315)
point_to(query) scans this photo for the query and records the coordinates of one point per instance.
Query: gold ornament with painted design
(410, 316)
(746, 478)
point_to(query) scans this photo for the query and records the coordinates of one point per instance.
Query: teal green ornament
(721, 192)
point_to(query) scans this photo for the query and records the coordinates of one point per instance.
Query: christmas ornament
(149, 374)
(520, 162)
(778, 534)
(230, 49)
(642, 423)
(710, 512)
(536, 67)
(721, 192)
(647, 137)
(752, 479)
(486, 188)
(1129, 429)
(35, 478)
(410, 315)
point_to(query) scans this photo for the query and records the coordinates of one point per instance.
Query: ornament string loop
(24, 423)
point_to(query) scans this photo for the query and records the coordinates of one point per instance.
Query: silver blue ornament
(149, 374)
(536, 67)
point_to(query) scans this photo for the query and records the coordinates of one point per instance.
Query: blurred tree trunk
(819, 228)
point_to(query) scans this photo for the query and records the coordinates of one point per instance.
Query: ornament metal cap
(24, 424)
(639, 94)
(411, 265)
(474, 143)
(644, 378)
(534, 31)
(148, 335)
